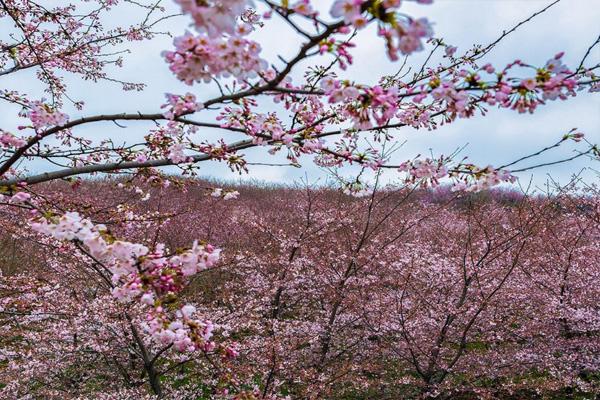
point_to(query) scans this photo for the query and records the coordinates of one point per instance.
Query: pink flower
(577, 137)
(488, 68)
(147, 298)
(529, 83)
(408, 35)
(188, 310)
(7, 139)
(180, 105)
(450, 50)
(176, 153)
(203, 58)
(349, 9)
(303, 7)
(43, 116)
(231, 195)
(19, 197)
(214, 17)
(360, 22)
(555, 65)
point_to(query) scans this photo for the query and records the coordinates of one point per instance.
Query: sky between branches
(500, 137)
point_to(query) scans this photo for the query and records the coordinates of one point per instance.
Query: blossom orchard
(322, 295)
(330, 117)
(392, 296)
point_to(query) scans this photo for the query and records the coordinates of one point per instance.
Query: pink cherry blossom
(214, 17)
(44, 116)
(180, 105)
(201, 58)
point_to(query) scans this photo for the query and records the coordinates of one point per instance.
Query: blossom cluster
(179, 105)
(170, 140)
(184, 332)
(17, 198)
(43, 116)
(176, 154)
(214, 17)
(364, 105)
(415, 117)
(357, 189)
(339, 48)
(467, 177)
(351, 10)
(303, 7)
(225, 194)
(456, 100)
(259, 126)
(203, 58)
(551, 82)
(427, 171)
(220, 152)
(7, 139)
(267, 129)
(458, 93)
(406, 37)
(483, 178)
(152, 277)
(402, 34)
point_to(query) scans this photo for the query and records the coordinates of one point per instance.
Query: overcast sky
(501, 136)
